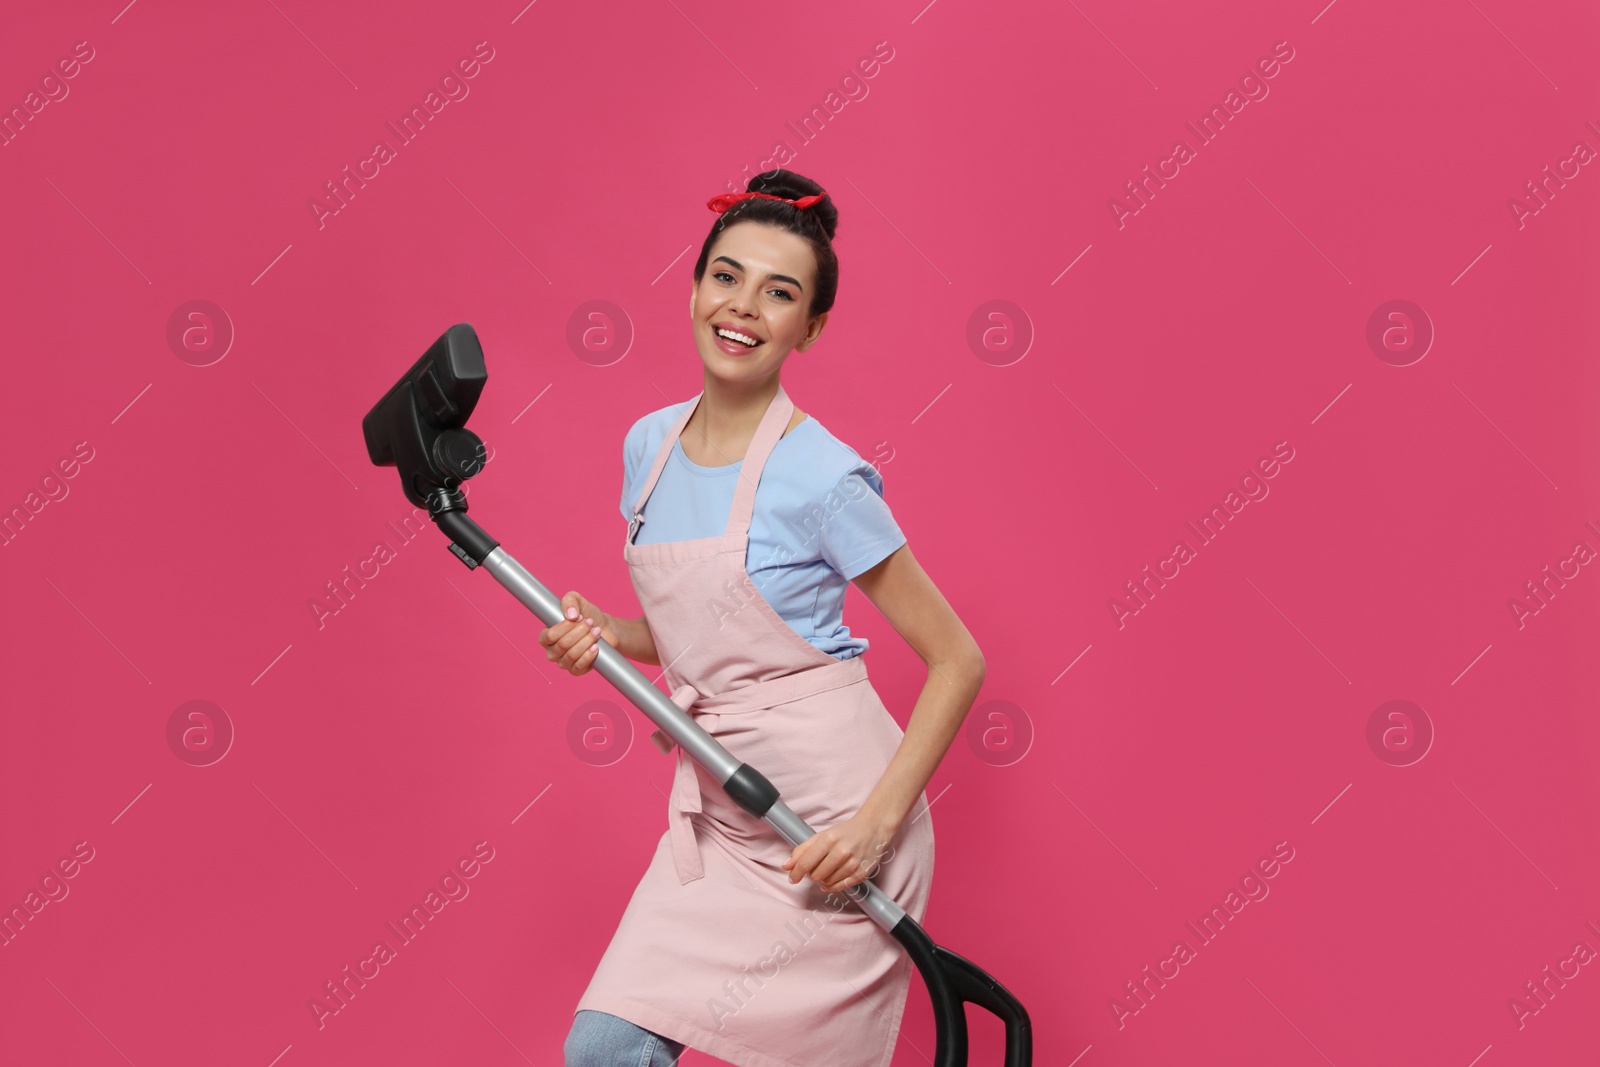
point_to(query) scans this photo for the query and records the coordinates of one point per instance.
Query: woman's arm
(634, 639)
(848, 853)
(902, 590)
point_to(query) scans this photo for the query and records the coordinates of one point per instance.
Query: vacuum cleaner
(420, 428)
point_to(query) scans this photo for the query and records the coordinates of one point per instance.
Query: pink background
(1138, 373)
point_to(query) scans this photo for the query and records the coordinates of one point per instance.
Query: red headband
(719, 204)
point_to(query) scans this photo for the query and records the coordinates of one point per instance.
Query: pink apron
(716, 948)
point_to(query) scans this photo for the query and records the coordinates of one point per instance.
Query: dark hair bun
(788, 184)
(815, 225)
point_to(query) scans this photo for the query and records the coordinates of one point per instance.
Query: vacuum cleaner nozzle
(420, 424)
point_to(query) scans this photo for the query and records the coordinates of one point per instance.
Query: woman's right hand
(574, 642)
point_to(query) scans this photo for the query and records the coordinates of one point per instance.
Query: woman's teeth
(741, 342)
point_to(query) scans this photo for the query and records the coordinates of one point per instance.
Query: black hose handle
(954, 981)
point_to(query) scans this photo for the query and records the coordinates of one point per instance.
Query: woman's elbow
(972, 661)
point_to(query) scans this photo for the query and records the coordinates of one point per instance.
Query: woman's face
(758, 282)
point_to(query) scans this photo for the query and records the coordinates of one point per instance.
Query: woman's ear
(813, 331)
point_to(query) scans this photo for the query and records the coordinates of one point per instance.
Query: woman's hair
(815, 224)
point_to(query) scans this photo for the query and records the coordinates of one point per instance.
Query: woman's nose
(743, 300)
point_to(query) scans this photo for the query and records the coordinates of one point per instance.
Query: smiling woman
(774, 676)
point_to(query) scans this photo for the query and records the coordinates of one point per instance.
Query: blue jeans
(599, 1039)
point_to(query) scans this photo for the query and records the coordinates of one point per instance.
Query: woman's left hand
(843, 855)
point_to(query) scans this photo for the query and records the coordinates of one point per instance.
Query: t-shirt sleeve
(859, 530)
(632, 454)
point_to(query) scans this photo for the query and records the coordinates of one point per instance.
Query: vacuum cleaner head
(420, 425)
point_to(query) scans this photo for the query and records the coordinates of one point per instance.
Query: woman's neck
(729, 414)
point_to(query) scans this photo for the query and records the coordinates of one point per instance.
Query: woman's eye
(788, 297)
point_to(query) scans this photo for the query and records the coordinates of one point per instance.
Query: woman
(724, 947)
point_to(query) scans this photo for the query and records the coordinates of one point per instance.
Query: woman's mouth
(719, 335)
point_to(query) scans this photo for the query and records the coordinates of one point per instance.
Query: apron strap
(773, 423)
(755, 460)
(660, 463)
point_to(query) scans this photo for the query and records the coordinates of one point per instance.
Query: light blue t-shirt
(819, 519)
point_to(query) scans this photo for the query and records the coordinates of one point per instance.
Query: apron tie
(684, 802)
